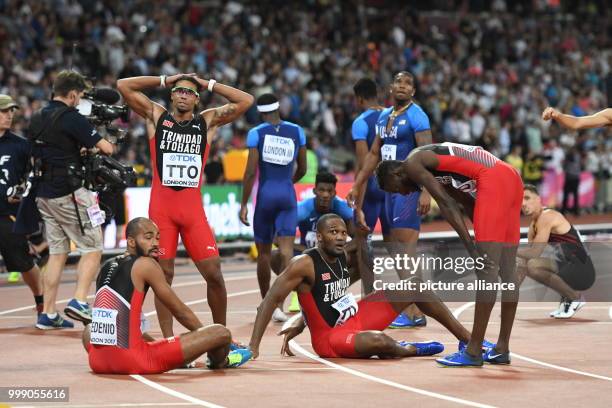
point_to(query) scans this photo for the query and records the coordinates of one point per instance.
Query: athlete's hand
(424, 203)
(360, 220)
(244, 215)
(351, 197)
(549, 113)
(254, 352)
(172, 78)
(289, 333)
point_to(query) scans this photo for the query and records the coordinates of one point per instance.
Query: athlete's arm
(299, 269)
(131, 90)
(249, 176)
(301, 165)
(466, 200)
(424, 138)
(543, 226)
(416, 167)
(147, 271)
(240, 102)
(599, 119)
(357, 192)
(361, 151)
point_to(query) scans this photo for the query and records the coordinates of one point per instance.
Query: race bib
(311, 239)
(96, 215)
(466, 186)
(103, 326)
(181, 169)
(452, 146)
(347, 307)
(278, 150)
(388, 152)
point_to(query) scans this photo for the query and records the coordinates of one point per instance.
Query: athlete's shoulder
(259, 127)
(550, 216)
(291, 125)
(341, 208)
(305, 208)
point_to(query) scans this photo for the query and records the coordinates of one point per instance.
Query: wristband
(211, 84)
(162, 81)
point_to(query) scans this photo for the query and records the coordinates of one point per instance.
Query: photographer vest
(179, 152)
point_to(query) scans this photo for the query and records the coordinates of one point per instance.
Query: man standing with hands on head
(179, 139)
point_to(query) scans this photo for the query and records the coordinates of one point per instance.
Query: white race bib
(145, 326)
(311, 239)
(104, 326)
(181, 169)
(347, 307)
(278, 150)
(96, 215)
(388, 151)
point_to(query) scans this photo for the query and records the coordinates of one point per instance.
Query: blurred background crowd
(484, 70)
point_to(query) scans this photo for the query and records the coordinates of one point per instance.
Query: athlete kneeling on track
(115, 341)
(339, 325)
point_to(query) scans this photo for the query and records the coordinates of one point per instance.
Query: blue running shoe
(77, 311)
(402, 321)
(46, 323)
(238, 357)
(460, 359)
(426, 348)
(237, 346)
(491, 356)
(486, 345)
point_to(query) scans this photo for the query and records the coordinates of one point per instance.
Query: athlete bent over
(340, 326)
(179, 141)
(498, 191)
(115, 341)
(556, 257)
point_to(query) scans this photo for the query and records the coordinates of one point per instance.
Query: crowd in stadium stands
(484, 71)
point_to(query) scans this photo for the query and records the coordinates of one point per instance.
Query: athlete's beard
(140, 251)
(401, 102)
(331, 252)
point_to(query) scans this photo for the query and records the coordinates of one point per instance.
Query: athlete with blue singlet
(399, 129)
(275, 146)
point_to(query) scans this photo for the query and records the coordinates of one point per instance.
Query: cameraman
(70, 212)
(14, 156)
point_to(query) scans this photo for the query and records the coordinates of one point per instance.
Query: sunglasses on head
(185, 90)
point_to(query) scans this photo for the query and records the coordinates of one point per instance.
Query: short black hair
(190, 79)
(383, 170)
(322, 222)
(532, 188)
(133, 227)
(67, 81)
(365, 88)
(406, 73)
(266, 99)
(326, 177)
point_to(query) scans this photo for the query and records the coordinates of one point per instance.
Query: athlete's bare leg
(164, 316)
(216, 293)
(537, 270)
(264, 255)
(509, 298)
(214, 340)
(32, 279)
(376, 343)
(409, 237)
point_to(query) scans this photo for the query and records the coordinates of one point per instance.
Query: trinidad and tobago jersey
(460, 165)
(328, 304)
(178, 152)
(116, 312)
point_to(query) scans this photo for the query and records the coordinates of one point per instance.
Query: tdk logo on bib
(181, 170)
(278, 150)
(103, 313)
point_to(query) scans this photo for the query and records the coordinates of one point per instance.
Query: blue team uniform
(308, 216)
(276, 207)
(401, 209)
(364, 128)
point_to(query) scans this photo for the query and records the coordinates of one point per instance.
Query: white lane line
(610, 312)
(464, 307)
(212, 372)
(369, 377)
(174, 393)
(178, 285)
(170, 391)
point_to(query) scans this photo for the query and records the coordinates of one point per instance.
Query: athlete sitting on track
(564, 266)
(340, 326)
(115, 341)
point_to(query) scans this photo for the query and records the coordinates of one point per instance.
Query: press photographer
(14, 156)
(59, 134)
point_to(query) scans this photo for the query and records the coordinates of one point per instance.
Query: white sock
(82, 303)
(52, 315)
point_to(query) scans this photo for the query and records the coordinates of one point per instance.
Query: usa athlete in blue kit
(274, 148)
(398, 130)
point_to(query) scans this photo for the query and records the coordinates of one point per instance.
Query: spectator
(515, 158)
(573, 168)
